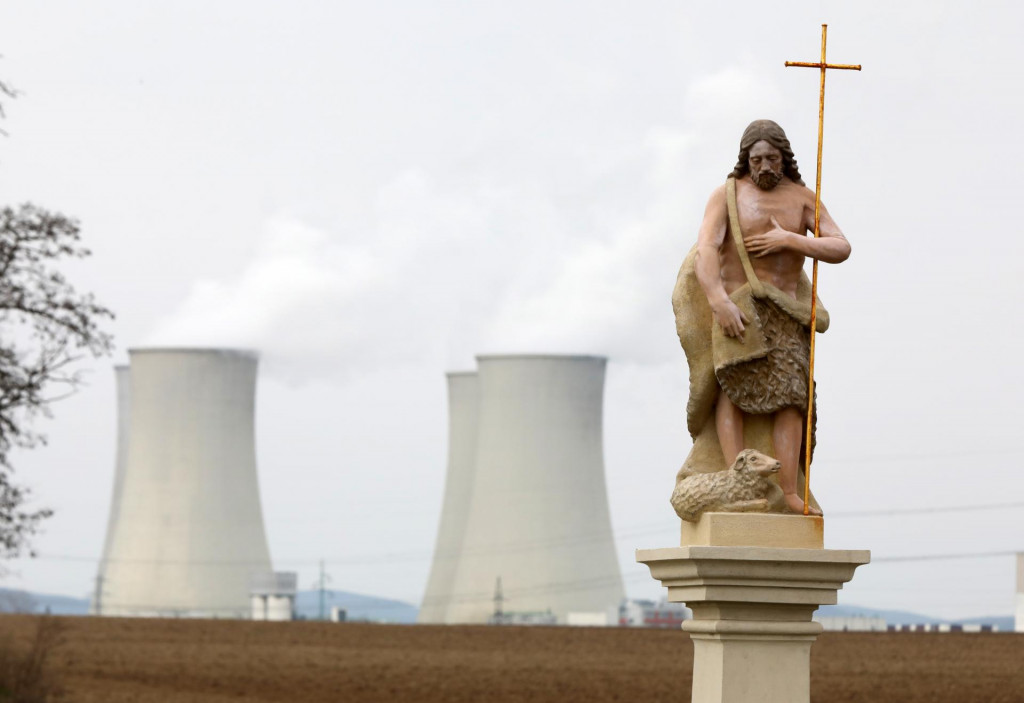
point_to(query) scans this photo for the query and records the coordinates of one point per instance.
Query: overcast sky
(372, 193)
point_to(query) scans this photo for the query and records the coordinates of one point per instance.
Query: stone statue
(742, 307)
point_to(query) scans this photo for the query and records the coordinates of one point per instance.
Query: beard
(767, 179)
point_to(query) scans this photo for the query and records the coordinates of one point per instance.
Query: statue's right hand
(730, 317)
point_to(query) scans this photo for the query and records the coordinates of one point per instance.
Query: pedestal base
(752, 606)
(754, 530)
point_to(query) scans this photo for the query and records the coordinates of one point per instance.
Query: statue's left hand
(774, 240)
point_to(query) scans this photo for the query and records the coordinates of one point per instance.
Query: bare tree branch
(46, 326)
(6, 91)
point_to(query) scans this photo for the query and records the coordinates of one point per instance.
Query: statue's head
(765, 153)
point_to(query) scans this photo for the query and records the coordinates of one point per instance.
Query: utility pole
(499, 601)
(98, 595)
(323, 585)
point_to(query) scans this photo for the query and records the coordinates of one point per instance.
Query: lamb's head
(753, 461)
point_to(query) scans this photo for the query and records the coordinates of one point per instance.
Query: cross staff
(814, 281)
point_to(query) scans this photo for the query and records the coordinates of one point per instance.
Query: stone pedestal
(752, 606)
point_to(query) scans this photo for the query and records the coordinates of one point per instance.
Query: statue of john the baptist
(742, 306)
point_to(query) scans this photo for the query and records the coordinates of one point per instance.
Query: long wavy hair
(772, 133)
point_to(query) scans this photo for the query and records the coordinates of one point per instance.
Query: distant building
(648, 613)
(272, 595)
(598, 618)
(851, 623)
(513, 618)
(943, 627)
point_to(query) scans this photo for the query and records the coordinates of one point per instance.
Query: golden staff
(814, 280)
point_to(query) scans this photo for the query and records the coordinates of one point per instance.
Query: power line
(871, 458)
(923, 511)
(941, 557)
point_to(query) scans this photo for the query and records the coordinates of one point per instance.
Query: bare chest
(756, 208)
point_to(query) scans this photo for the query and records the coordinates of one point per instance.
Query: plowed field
(172, 661)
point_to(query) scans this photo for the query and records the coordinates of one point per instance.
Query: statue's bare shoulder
(713, 227)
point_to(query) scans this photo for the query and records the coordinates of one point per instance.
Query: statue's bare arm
(708, 265)
(830, 246)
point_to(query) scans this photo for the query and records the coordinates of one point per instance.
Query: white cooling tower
(1018, 623)
(463, 396)
(122, 382)
(538, 515)
(188, 535)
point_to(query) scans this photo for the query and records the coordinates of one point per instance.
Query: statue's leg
(729, 423)
(788, 435)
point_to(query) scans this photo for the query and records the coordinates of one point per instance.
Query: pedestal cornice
(752, 574)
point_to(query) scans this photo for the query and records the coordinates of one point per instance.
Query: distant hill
(893, 617)
(15, 601)
(1005, 623)
(357, 607)
(372, 609)
(902, 617)
(307, 606)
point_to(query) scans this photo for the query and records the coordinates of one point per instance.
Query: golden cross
(814, 284)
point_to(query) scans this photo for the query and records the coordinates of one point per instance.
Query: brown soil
(172, 661)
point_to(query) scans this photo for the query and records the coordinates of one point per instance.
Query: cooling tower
(122, 382)
(538, 515)
(463, 396)
(1018, 623)
(188, 535)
